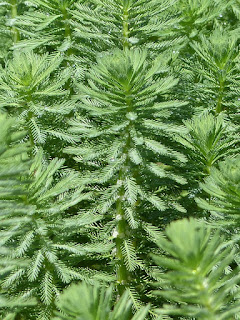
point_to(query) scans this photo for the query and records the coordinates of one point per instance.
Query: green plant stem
(31, 139)
(29, 117)
(207, 303)
(122, 272)
(14, 13)
(69, 52)
(123, 275)
(125, 27)
(67, 30)
(219, 107)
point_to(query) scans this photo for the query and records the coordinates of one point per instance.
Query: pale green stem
(125, 28)
(29, 117)
(14, 13)
(68, 31)
(123, 275)
(220, 99)
(68, 36)
(122, 272)
(31, 139)
(221, 81)
(208, 301)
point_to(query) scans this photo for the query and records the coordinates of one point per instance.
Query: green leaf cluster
(195, 282)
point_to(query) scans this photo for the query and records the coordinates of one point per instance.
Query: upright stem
(31, 139)
(219, 101)
(221, 80)
(207, 302)
(29, 117)
(14, 13)
(68, 31)
(125, 27)
(123, 275)
(122, 272)
(68, 36)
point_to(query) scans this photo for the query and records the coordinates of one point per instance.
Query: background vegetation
(119, 159)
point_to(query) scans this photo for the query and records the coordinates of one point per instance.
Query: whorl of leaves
(193, 277)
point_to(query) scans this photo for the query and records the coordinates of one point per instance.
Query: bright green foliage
(27, 77)
(29, 90)
(87, 27)
(103, 25)
(9, 34)
(122, 147)
(120, 102)
(6, 40)
(209, 139)
(13, 159)
(34, 234)
(47, 25)
(86, 302)
(223, 187)
(14, 165)
(193, 278)
(141, 99)
(216, 67)
(127, 23)
(197, 15)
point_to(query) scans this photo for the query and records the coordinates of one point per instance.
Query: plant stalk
(219, 107)
(123, 275)
(67, 30)
(122, 228)
(125, 28)
(14, 13)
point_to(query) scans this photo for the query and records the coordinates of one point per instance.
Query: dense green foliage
(119, 159)
(195, 279)
(87, 302)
